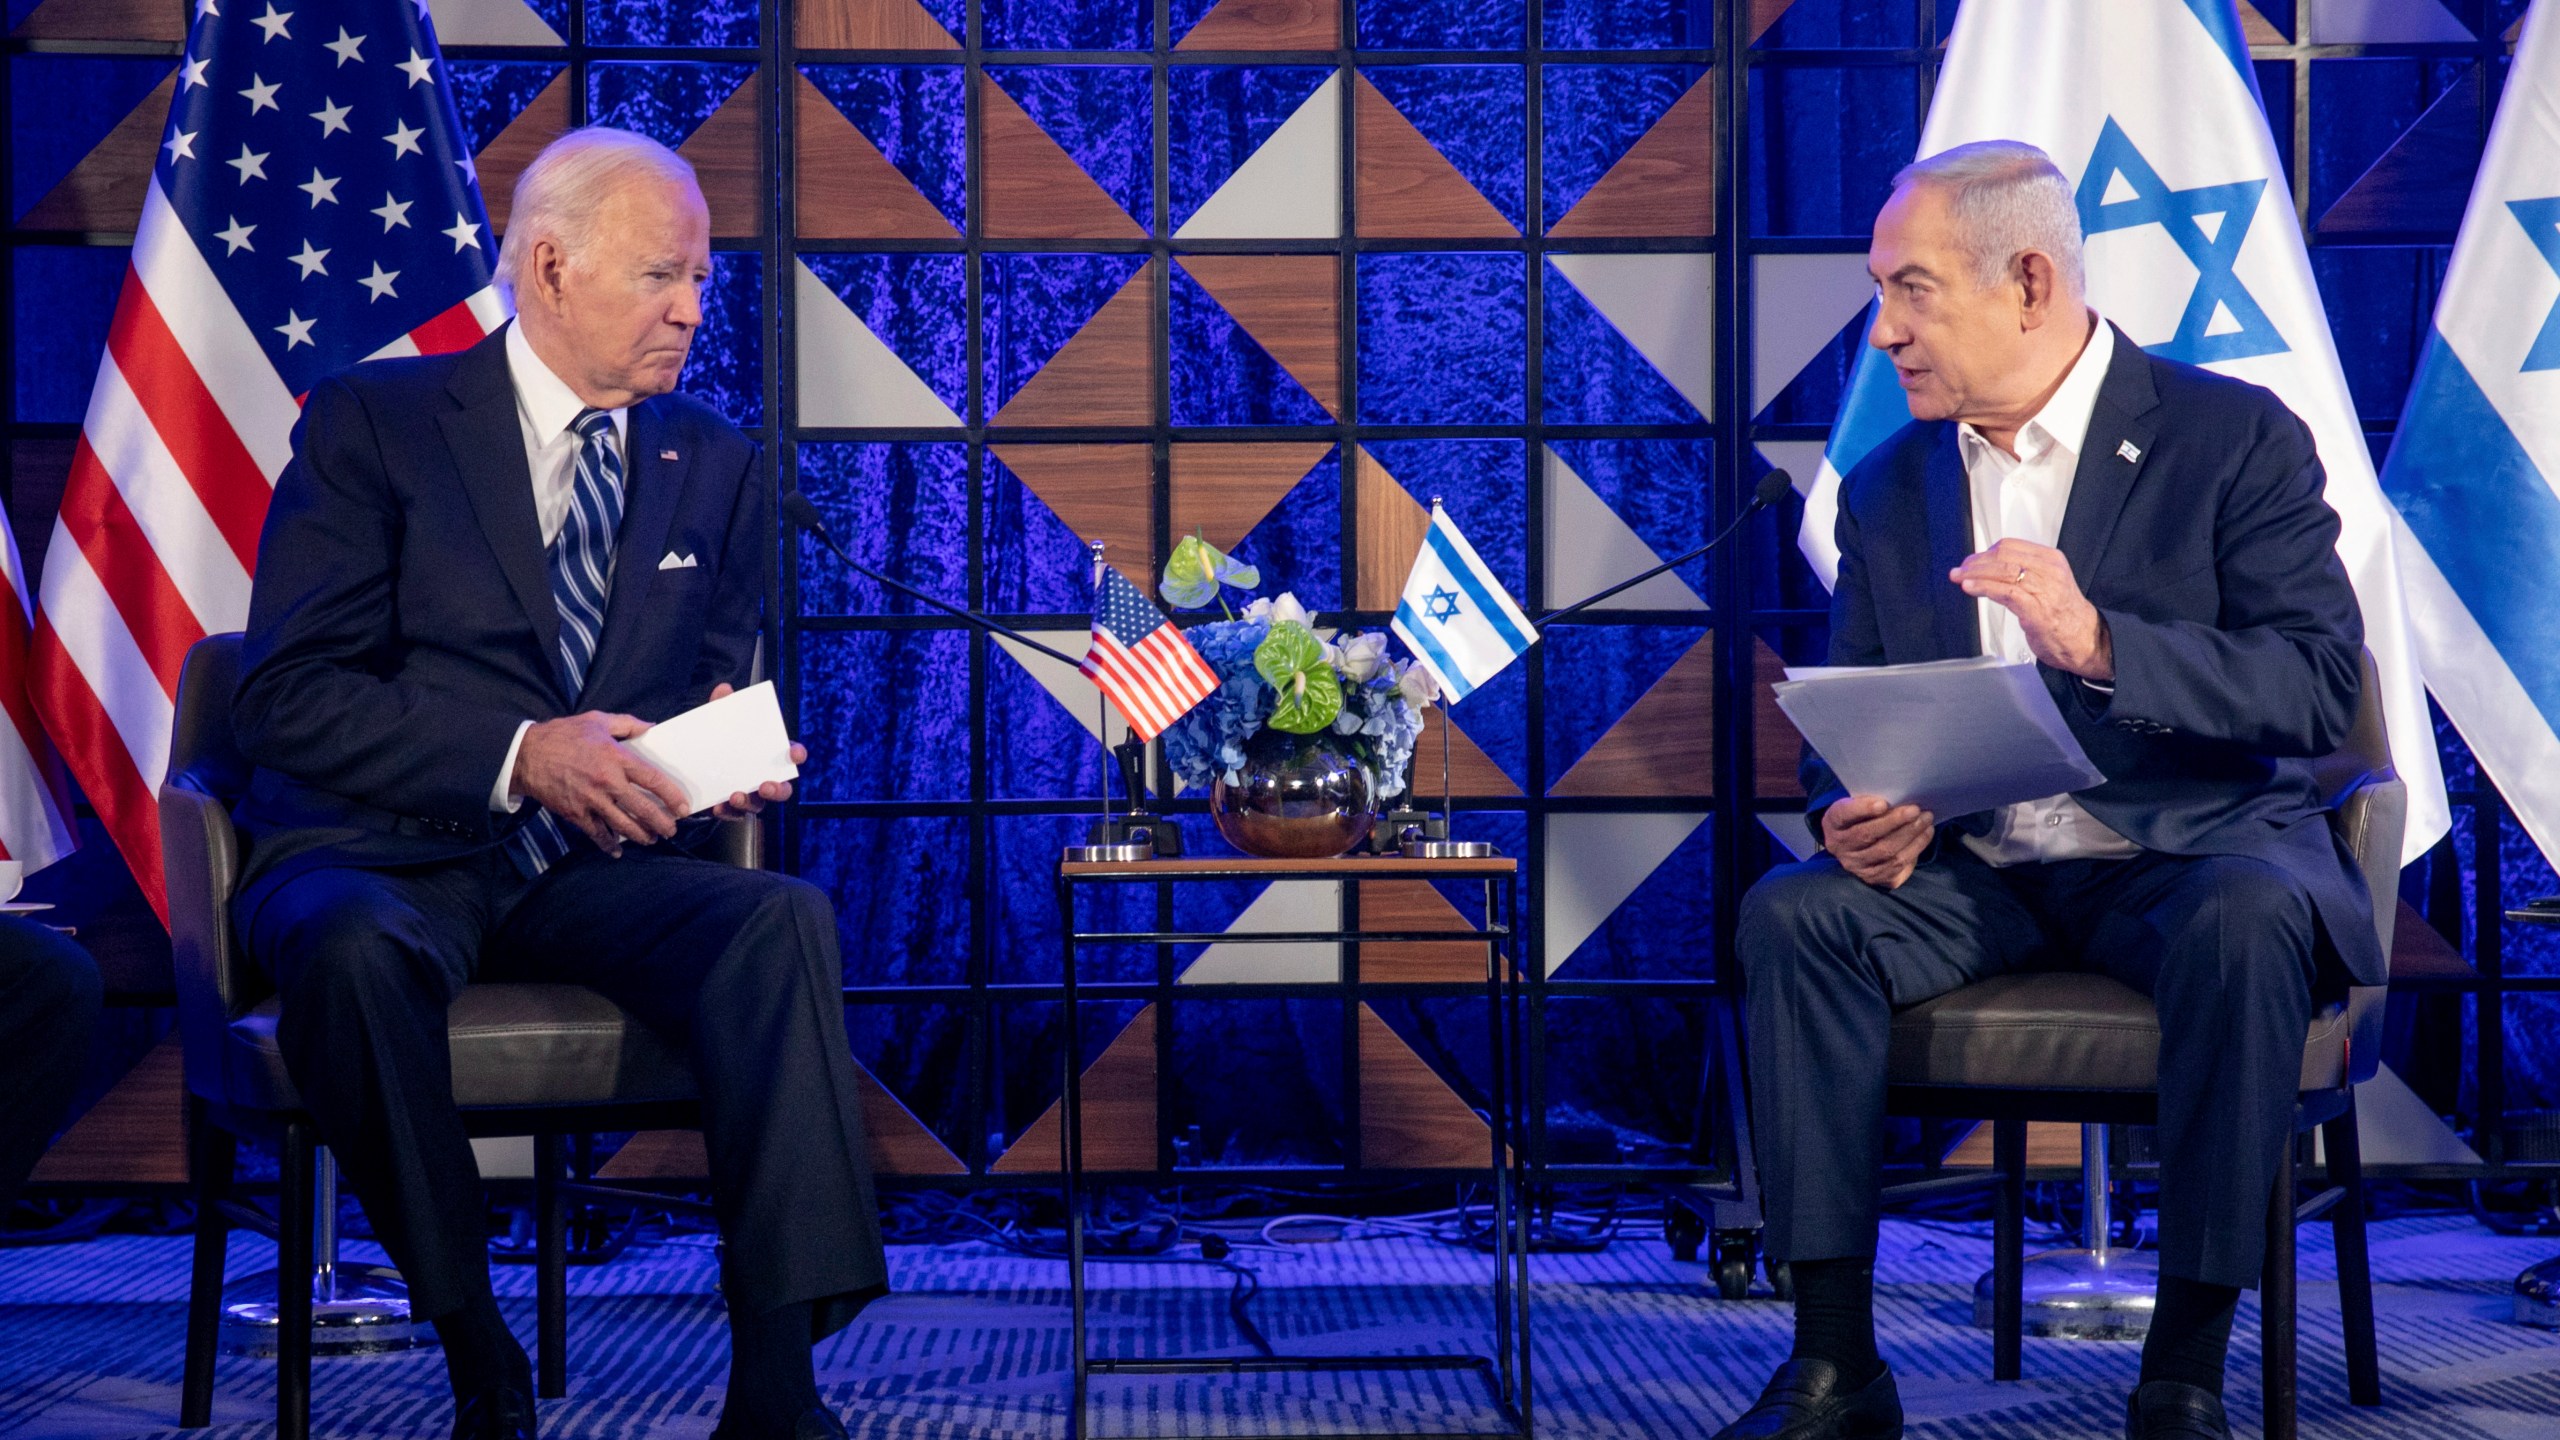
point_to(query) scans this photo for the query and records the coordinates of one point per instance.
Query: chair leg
(293, 1282)
(551, 1266)
(2355, 1263)
(2276, 1304)
(211, 1154)
(2008, 1248)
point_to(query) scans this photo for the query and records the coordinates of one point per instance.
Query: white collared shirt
(2023, 497)
(545, 407)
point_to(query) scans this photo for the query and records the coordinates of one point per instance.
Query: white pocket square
(675, 561)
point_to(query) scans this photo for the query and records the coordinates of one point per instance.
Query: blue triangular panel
(1034, 304)
(1606, 669)
(1298, 546)
(1476, 115)
(916, 115)
(1592, 115)
(1101, 115)
(916, 304)
(667, 103)
(1219, 115)
(1222, 376)
(1593, 376)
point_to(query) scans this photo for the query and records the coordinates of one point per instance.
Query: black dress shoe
(2167, 1410)
(505, 1413)
(1806, 1401)
(815, 1423)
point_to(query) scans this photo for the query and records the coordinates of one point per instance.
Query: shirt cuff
(500, 801)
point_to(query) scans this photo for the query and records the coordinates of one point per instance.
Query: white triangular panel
(2395, 1127)
(1065, 683)
(1282, 907)
(2381, 22)
(1665, 306)
(1594, 862)
(490, 22)
(1288, 189)
(1792, 831)
(848, 375)
(1801, 459)
(1590, 548)
(1801, 302)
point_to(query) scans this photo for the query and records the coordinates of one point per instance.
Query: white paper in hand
(729, 746)
(1950, 736)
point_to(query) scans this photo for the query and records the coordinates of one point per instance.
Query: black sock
(772, 1379)
(480, 1352)
(2190, 1333)
(1836, 1316)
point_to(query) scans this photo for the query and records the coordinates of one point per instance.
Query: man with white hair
(480, 575)
(2154, 538)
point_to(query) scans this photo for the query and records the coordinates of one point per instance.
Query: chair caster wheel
(1682, 1230)
(1734, 1252)
(1782, 1277)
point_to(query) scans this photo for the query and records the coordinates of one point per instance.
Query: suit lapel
(2111, 457)
(487, 444)
(651, 486)
(1949, 497)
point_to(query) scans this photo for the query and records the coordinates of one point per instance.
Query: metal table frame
(1506, 1372)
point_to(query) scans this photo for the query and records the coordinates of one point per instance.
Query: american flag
(1140, 659)
(313, 205)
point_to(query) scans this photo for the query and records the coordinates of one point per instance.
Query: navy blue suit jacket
(2213, 557)
(402, 625)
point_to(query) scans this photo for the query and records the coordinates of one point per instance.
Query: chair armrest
(736, 842)
(200, 863)
(2371, 818)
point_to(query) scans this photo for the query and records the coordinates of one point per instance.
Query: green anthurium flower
(1291, 659)
(1197, 568)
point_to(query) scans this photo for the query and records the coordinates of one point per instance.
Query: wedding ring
(2021, 577)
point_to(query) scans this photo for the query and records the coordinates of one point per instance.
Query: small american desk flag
(1140, 659)
(313, 205)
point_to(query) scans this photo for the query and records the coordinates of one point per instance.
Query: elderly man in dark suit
(481, 574)
(2155, 539)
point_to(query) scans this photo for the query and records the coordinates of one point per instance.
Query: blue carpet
(1630, 1343)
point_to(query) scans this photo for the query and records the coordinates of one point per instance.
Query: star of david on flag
(2150, 109)
(2474, 470)
(313, 204)
(1454, 616)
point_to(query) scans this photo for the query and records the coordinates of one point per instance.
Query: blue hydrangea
(1377, 722)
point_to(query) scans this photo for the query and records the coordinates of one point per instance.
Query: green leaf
(1291, 659)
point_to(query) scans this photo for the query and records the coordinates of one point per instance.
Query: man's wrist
(505, 797)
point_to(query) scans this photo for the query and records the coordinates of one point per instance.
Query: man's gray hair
(2008, 197)
(559, 193)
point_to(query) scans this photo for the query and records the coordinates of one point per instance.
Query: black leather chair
(2085, 1049)
(540, 1060)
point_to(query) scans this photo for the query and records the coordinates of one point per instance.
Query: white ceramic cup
(13, 873)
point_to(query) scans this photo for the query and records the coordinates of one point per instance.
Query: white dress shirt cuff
(499, 798)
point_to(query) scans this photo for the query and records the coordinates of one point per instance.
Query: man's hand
(1879, 843)
(742, 804)
(2034, 583)
(576, 768)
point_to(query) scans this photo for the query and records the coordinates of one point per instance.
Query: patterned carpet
(974, 1344)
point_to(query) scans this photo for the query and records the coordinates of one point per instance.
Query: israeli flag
(2150, 108)
(2476, 462)
(1455, 617)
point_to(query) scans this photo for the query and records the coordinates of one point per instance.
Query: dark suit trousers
(49, 997)
(2225, 946)
(738, 968)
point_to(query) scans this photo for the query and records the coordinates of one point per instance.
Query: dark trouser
(738, 968)
(49, 995)
(2224, 945)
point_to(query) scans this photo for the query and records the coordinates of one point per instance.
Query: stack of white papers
(727, 747)
(1950, 736)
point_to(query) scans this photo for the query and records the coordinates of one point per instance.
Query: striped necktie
(581, 580)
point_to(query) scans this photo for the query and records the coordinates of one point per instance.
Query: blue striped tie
(581, 579)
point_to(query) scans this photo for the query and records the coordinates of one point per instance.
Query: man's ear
(2038, 285)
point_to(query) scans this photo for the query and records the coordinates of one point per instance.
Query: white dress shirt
(545, 406)
(2023, 497)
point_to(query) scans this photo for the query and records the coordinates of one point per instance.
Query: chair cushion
(2060, 1030)
(513, 1045)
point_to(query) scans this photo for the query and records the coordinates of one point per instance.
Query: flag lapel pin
(2131, 452)
(666, 454)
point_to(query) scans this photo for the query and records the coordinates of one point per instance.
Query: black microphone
(1772, 486)
(798, 509)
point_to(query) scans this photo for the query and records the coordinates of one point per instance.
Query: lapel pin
(666, 454)
(2128, 450)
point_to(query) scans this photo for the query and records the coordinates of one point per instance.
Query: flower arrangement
(1277, 671)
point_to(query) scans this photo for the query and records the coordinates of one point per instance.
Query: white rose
(1287, 608)
(1418, 685)
(1360, 656)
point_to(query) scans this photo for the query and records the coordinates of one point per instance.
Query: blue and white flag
(2150, 109)
(2476, 462)
(1455, 617)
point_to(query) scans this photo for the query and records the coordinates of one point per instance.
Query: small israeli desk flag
(1454, 616)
